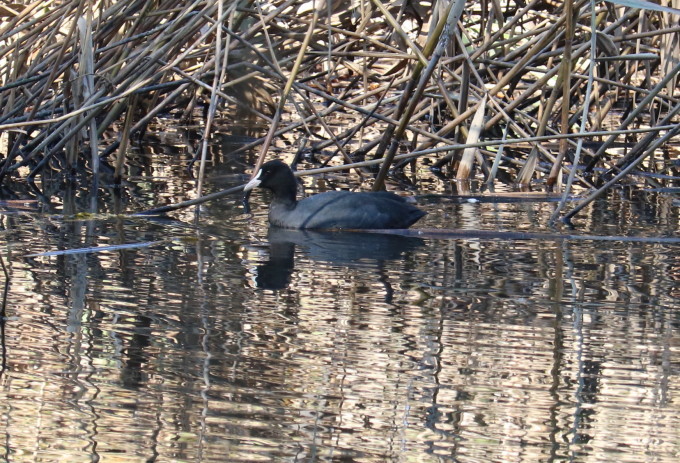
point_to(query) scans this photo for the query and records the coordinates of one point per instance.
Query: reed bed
(504, 90)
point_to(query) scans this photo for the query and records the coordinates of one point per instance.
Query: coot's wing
(341, 209)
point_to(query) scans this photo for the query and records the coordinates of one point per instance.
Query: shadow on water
(340, 248)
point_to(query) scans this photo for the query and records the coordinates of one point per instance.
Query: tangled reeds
(478, 87)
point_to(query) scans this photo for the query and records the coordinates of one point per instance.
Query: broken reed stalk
(86, 74)
(168, 55)
(284, 94)
(434, 49)
(565, 77)
(212, 107)
(124, 141)
(584, 117)
(476, 127)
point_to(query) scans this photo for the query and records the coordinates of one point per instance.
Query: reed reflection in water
(427, 350)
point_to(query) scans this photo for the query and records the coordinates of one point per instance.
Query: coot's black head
(275, 176)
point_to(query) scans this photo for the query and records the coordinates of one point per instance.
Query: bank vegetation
(512, 91)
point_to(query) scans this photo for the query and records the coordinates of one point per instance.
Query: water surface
(226, 341)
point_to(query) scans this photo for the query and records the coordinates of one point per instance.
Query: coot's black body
(333, 209)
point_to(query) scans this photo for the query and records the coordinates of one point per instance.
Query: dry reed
(79, 79)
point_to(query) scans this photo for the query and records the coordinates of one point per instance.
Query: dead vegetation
(522, 88)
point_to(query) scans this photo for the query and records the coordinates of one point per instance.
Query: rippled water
(229, 342)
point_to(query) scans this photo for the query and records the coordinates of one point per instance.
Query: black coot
(333, 209)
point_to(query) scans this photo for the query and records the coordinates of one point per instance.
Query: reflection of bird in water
(352, 249)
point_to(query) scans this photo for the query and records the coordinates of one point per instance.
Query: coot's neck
(285, 193)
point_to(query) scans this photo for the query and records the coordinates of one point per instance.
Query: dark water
(229, 342)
